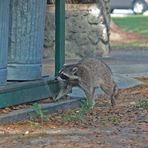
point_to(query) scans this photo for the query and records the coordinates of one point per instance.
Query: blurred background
(127, 30)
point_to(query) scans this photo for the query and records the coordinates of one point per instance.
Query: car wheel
(138, 6)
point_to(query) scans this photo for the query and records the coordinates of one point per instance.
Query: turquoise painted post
(26, 36)
(4, 26)
(59, 34)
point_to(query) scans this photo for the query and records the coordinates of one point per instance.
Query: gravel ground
(125, 125)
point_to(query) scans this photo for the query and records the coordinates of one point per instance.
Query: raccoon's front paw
(55, 98)
(65, 97)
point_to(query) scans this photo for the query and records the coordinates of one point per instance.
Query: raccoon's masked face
(69, 71)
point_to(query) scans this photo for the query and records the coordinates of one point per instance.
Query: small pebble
(27, 132)
(133, 103)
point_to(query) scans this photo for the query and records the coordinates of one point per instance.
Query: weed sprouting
(79, 114)
(87, 106)
(142, 104)
(41, 114)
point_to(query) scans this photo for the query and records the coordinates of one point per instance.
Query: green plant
(40, 113)
(115, 120)
(79, 115)
(34, 124)
(142, 104)
(75, 116)
(87, 106)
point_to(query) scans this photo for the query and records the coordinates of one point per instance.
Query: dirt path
(125, 125)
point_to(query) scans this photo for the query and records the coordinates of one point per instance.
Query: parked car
(138, 6)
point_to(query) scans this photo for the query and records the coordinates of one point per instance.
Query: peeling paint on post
(4, 26)
(26, 39)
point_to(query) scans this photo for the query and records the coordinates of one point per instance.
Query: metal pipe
(59, 35)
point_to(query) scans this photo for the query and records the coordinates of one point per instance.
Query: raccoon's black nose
(56, 78)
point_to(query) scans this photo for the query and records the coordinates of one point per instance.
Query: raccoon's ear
(74, 70)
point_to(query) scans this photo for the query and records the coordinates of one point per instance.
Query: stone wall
(87, 30)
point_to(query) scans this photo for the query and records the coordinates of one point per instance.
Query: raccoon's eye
(75, 74)
(63, 76)
(74, 71)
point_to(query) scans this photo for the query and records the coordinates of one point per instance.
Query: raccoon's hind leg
(112, 98)
(110, 90)
(114, 95)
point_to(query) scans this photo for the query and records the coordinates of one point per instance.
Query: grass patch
(73, 116)
(129, 45)
(115, 120)
(136, 23)
(41, 114)
(142, 104)
(79, 114)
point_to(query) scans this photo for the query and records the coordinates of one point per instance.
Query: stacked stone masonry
(86, 30)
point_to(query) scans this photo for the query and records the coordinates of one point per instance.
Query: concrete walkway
(125, 64)
(128, 56)
(128, 64)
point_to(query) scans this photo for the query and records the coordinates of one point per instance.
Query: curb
(26, 114)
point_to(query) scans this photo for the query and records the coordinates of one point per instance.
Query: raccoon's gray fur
(88, 74)
(65, 87)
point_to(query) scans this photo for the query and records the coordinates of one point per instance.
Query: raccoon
(88, 74)
(65, 85)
